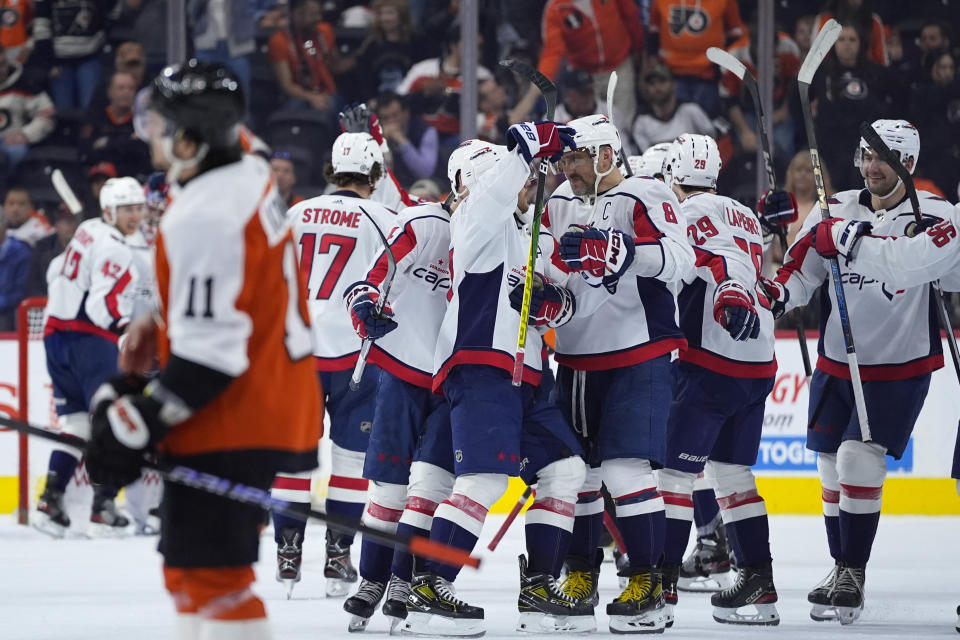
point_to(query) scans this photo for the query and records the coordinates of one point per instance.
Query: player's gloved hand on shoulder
(773, 296)
(838, 237)
(733, 309)
(550, 304)
(361, 299)
(600, 252)
(540, 139)
(777, 209)
(125, 424)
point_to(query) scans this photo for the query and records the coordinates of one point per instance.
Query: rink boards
(919, 483)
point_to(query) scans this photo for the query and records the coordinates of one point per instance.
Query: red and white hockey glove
(550, 304)
(773, 296)
(600, 252)
(777, 210)
(540, 140)
(361, 298)
(733, 309)
(838, 237)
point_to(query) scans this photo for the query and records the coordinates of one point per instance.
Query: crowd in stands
(72, 73)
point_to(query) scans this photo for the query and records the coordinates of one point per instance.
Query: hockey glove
(550, 305)
(777, 210)
(361, 299)
(733, 309)
(839, 237)
(359, 118)
(123, 430)
(773, 296)
(600, 252)
(540, 140)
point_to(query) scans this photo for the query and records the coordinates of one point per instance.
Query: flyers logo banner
(692, 19)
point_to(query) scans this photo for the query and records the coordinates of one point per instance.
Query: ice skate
(581, 581)
(289, 555)
(338, 570)
(545, 608)
(151, 525)
(433, 609)
(670, 573)
(708, 565)
(52, 519)
(848, 597)
(958, 619)
(363, 603)
(395, 604)
(640, 608)
(754, 587)
(821, 598)
(105, 520)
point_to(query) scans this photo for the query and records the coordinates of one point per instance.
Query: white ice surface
(113, 590)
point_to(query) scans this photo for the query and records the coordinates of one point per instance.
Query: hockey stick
(549, 91)
(877, 144)
(726, 61)
(510, 518)
(239, 492)
(818, 50)
(611, 89)
(66, 194)
(378, 308)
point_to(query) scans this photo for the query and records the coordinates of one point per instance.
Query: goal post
(29, 329)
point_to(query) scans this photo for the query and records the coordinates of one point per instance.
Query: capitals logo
(692, 19)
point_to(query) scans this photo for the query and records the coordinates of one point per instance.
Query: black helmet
(203, 99)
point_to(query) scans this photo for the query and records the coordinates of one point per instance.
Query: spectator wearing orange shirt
(681, 31)
(305, 58)
(598, 36)
(14, 36)
(869, 24)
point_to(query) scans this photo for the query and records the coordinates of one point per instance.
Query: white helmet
(901, 136)
(652, 161)
(470, 160)
(355, 153)
(591, 133)
(117, 192)
(694, 161)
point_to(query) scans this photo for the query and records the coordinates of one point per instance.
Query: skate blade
(395, 623)
(537, 622)
(434, 626)
(100, 530)
(668, 615)
(653, 622)
(823, 613)
(706, 584)
(764, 615)
(358, 624)
(288, 585)
(848, 615)
(45, 525)
(336, 588)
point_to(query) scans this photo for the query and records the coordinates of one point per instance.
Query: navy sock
(705, 507)
(857, 531)
(62, 464)
(750, 540)
(402, 566)
(546, 548)
(351, 510)
(676, 539)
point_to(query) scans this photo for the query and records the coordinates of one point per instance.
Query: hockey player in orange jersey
(233, 342)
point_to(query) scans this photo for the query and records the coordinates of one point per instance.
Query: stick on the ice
(549, 91)
(818, 50)
(726, 61)
(877, 144)
(510, 518)
(378, 308)
(239, 492)
(611, 90)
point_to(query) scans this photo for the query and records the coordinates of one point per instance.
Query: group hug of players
(664, 349)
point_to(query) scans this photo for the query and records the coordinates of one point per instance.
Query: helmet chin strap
(592, 200)
(887, 195)
(177, 165)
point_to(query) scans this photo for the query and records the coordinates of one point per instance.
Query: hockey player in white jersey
(409, 460)
(89, 304)
(500, 430)
(337, 241)
(624, 236)
(651, 162)
(720, 384)
(898, 344)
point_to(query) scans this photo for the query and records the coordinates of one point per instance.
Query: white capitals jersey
(420, 244)
(488, 254)
(142, 290)
(728, 243)
(638, 322)
(89, 285)
(895, 328)
(337, 243)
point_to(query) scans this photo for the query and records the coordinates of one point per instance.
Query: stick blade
(726, 60)
(611, 89)
(62, 187)
(522, 68)
(818, 50)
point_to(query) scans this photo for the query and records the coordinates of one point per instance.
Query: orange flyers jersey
(231, 299)
(15, 16)
(688, 28)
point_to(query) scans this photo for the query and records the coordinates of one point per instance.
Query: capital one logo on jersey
(862, 282)
(692, 19)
